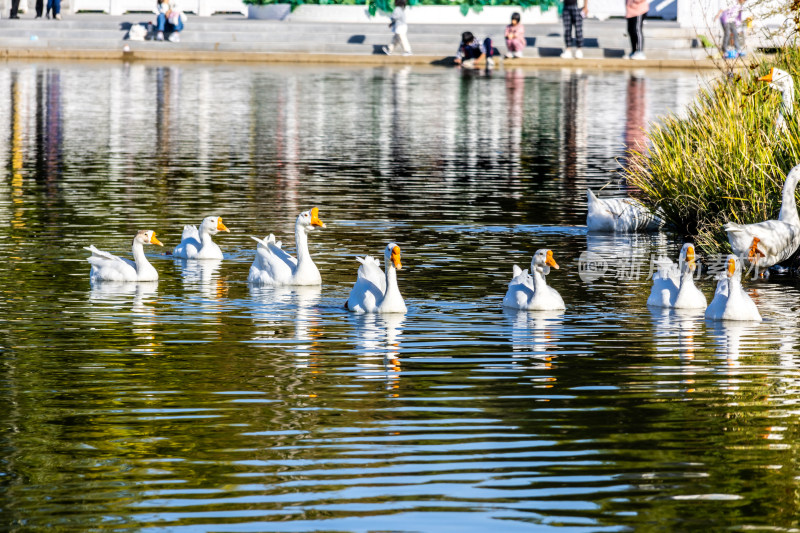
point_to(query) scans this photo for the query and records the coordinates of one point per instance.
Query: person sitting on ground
(170, 21)
(515, 37)
(473, 51)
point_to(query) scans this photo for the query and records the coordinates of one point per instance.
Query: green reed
(722, 160)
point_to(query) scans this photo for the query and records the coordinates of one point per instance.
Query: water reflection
(535, 333)
(203, 277)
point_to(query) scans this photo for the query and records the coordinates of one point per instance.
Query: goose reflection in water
(203, 277)
(379, 336)
(119, 296)
(277, 306)
(676, 329)
(535, 333)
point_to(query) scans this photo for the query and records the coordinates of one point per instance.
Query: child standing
(731, 20)
(399, 29)
(515, 37)
(572, 16)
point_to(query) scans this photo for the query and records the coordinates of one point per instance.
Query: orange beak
(731, 267)
(221, 226)
(767, 77)
(315, 221)
(396, 258)
(550, 261)
(153, 240)
(690, 255)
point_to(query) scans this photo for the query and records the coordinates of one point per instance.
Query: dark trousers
(635, 33)
(14, 8)
(571, 16)
(39, 7)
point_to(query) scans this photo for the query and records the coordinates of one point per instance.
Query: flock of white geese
(763, 245)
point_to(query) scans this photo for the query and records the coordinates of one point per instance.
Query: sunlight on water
(200, 403)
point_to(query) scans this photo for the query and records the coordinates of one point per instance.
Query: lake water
(202, 404)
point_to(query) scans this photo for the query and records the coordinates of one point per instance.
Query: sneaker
(489, 62)
(407, 53)
(160, 36)
(58, 16)
(517, 54)
(638, 56)
(509, 55)
(385, 50)
(578, 54)
(566, 54)
(174, 37)
(468, 63)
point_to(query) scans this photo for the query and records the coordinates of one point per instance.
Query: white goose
(374, 291)
(530, 292)
(782, 81)
(276, 268)
(674, 286)
(773, 241)
(730, 301)
(109, 267)
(619, 215)
(198, 244)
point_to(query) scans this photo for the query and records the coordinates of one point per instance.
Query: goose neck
(301, 240)
(788, 204)
(538, 279)
(138, 255)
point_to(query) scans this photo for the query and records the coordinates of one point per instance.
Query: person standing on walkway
(399, 29)
(14, 9)
(635, 11)
(731, 20)
(54, 7)
(572, 16)
(515, 37)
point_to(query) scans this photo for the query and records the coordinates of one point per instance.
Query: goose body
(730, 301)
(619, 215)
(375, 291)
(110, 267)
(274, 267)
(197, 244)
(768, 243)
(530, 292)
(674, 286)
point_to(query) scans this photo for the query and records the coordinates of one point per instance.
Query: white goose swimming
(274, 267)
(375, 291)
(109, 267)
(773, 241)
(619, 215)
(782, 81)
(674, 286)
(730, 301)
(530, 292)
(197, 244)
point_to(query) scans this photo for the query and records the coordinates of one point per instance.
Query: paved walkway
(235, 38)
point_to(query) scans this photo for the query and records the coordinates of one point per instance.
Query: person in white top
(400, 30)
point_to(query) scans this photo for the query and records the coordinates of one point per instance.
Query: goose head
(213, 225)
(391, 255)
(308, 220)
(146, 236)
(778, 79)
(733, 268)
(542, 261)
(687, 258)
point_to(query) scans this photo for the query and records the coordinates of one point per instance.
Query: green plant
(723, 160)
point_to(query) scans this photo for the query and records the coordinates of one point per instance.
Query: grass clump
(723, 160)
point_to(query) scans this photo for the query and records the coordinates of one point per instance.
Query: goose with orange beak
(530, 292)
(619, 215)
(109, 267)
(273, 267)
(197, 244)
(782, 81)
(730, 301)
(768, 243)
(674, 286)
(374, 291)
